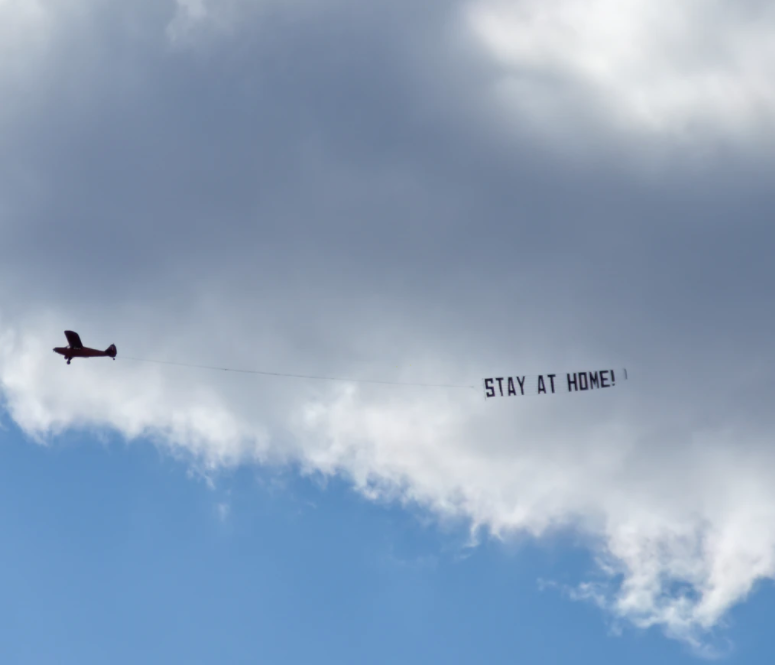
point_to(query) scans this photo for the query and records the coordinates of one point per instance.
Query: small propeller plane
(78, 350)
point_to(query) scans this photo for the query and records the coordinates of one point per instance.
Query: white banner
(551, 384)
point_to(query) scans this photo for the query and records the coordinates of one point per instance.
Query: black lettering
(490, 390)
(551, 380)
(572, 382)
(512, 390)
(604, 379)
(500, 384)
(594, 382)
(541, 386)
(613, 378)
(521, 382)
(583, 385)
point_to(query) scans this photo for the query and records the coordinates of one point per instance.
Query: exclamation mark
(613, 378)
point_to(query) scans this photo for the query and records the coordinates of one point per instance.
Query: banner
(551, 384)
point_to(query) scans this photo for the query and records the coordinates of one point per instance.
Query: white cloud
(25, 26)
(223, 511)
(665, 67)
(45, 399)
(198, 22)
(701, 516)
(193, 16)
(26, 31)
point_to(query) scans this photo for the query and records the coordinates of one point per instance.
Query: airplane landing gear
(68, 360)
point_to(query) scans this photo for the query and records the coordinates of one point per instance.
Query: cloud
(223, 509)
(679, 68)
(334, 199)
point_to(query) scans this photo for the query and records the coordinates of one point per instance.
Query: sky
(386, 191)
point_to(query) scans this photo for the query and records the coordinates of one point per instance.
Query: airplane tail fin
(111, 351)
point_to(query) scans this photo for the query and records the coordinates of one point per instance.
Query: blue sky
(116, 554)
(425, 193)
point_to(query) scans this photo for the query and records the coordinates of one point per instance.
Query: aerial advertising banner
(549, 384)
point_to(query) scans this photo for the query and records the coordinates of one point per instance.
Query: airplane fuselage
(84, 352)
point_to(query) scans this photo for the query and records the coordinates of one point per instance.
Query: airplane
(78, 350)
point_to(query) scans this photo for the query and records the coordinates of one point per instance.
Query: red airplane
(78, 350)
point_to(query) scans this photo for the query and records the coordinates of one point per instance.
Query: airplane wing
(73, 339)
